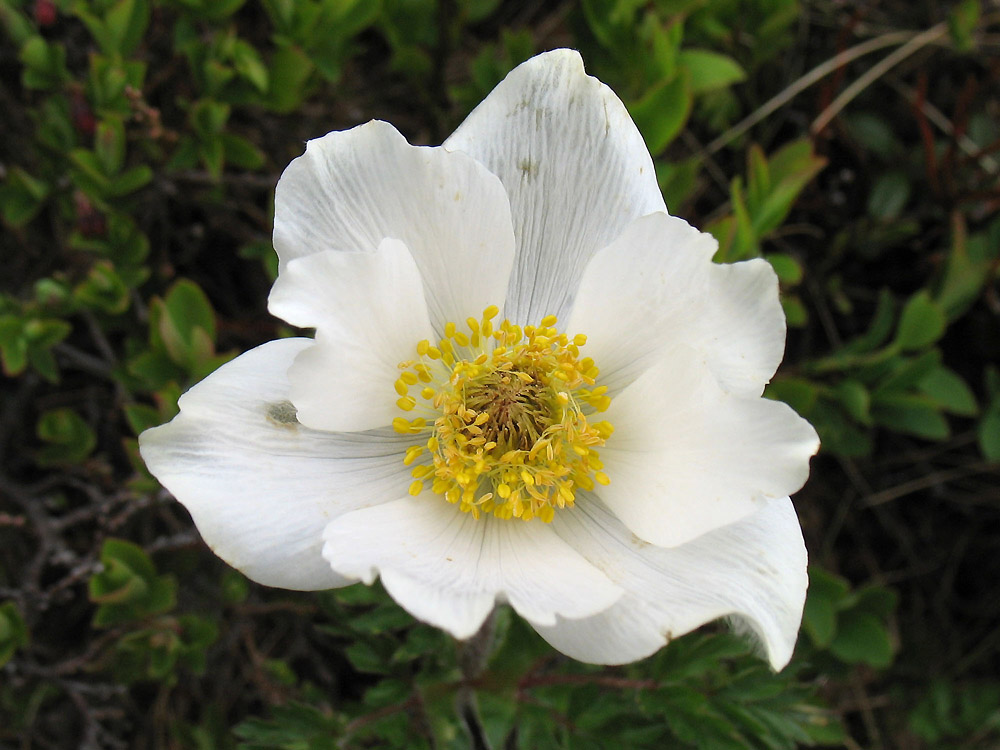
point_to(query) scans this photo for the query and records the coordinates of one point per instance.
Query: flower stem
(473, 655)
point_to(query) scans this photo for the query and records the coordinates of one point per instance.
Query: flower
(529, 384)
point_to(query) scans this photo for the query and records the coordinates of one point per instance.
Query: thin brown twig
(930, 480)
(801, 84)
(875, 72)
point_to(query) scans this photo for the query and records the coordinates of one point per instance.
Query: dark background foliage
(854, 145)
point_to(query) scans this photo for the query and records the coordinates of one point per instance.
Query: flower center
(504, 412)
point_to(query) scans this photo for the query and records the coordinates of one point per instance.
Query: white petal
(448, 568)
(353, 188)
(260, 486)
(743, 330)
(642, 292)
(369, 313)
(753, 570)
(687, 457)
(655, 287)
(575, 167)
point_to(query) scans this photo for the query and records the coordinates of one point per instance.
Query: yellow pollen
(506, 418)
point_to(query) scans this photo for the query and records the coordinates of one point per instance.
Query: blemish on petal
(528, 168)
(283, 414)
(638, 543)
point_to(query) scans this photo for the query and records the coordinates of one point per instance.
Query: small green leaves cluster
(851, 626)
(705, 691)
(951, 716)
(131, 596)
(891, 377)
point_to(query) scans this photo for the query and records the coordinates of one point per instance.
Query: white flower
(444, 430)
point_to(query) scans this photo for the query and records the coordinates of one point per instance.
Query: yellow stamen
(507, 421)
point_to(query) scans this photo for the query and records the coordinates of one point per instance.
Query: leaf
(126, 24)
(899, 374)
(915, 415)
(819, 619)
(876, 600)
(185, 311)
(710, 70)
(855, 399)
(888, 196)
(861, 637)
(789, 270)
(289, 71)
(798, 393)
(365, 658)
(922, 322)
(241, 153)
(248, 64)
(874, 134)
(128, 587)
(678, 180)
(109, 145)
(988, 431)
(662, 112)
(962, 22)
(70, 439)
(965, 271)
(13, 631)
(130, 181)
(949, 392)
(879, 329)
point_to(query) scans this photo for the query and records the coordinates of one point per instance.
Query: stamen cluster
(505, 414)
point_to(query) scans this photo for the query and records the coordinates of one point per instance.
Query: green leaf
(185, 324)
(876, 600)
(21, 197)
(289, 72)
(888, 196)
(109, 145)
(662, 112)
(922, 322)
(962, 22)
(798, 393)
(248, 64)
(819, 619)
(855, 399)
(879, 329)
(710, 70)
(988, 431)
(70, 439)
(678, 180)
(130, 181)
(862, 637)
(126, 24)
(949, 392)
(103, 289)
(915, 415)
(141, 417)
(241, 153)
(127, 588)
(364, 657)
(44, 64)
(966, 270)
(789, 270)
(898, 374)
(874, 134)
(13, 345)
(13, 631)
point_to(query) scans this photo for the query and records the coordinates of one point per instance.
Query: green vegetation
(852, 145)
